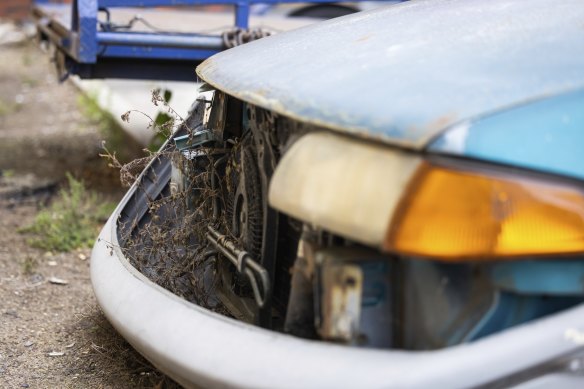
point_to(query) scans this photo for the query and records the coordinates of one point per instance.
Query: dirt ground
(52, 333)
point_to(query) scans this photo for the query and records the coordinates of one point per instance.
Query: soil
(52, 332)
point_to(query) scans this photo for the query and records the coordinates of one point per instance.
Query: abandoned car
(393, 198)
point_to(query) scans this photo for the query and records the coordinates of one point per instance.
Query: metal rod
(242, 14)
(244, 264)
(171, 3)
(161, 40)
(215, 198)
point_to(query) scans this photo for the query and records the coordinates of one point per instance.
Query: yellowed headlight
(453, 214)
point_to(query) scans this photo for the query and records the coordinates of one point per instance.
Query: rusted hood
(403, 73)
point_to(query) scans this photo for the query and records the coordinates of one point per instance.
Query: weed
(29, 265)
(5, 108)
(109, 128)
(92, 111)
(161, 120)
(71, 221)
(164, 123)
(26, 58)
(29, 81)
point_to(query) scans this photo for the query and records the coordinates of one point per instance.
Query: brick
(14, 9)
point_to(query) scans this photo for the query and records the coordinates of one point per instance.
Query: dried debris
(168, 244)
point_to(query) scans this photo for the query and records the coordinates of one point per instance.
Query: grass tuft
(71, 221)
(29, 265)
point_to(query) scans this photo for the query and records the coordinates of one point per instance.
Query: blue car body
(545, 135)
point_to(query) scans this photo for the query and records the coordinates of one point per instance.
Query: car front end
(405, 211)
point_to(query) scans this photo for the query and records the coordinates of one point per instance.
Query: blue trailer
(90, 45)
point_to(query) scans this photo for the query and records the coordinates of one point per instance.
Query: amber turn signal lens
(453, 215)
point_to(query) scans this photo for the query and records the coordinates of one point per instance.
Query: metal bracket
(196, 139)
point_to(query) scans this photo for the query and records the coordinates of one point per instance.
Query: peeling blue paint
(404, 73)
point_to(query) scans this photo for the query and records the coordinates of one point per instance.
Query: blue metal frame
(242, 7)
(84, 43)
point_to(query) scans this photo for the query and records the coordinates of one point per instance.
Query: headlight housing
(483, 214)
(444, 209)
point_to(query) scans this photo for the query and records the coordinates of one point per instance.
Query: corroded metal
(342, 286)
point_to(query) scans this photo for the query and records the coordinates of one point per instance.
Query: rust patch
(342, 286)
(363, 38)
(436, 125)
(261, 92)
